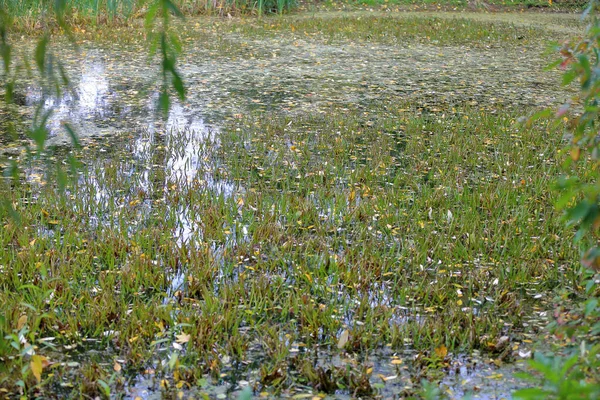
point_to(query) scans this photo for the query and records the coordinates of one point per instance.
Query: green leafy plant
(563, 377)
(575, 375)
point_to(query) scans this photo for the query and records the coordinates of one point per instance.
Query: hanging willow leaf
(40, 54)
(168, 5)
(178, 84)
(73, 135)
(164, 102)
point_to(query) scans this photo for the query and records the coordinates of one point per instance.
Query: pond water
(112, 106)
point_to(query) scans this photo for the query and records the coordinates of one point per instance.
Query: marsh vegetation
(344, 205)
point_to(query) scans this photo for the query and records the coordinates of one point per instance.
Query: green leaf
(168, 4)
(61, 177)
(8, 91)
(72, 135)
(176, 43)
(151, 15)
(5, 51)
(569, 76)
(246, 394)
(553, 65)
(63, 75)
(530, 394)
(104, 387)
(164, 103)
(178, 85)
(8, 208)
(591, 306)
(569, 363)
(579, 212)
(173, 360)
(40, 54)
(543, 114)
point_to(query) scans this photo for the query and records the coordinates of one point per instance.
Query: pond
(326, 215)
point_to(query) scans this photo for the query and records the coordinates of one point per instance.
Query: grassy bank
(32, 15)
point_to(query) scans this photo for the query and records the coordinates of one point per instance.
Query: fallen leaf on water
(37, 365)
(524, 354)
(21, 322)
(343, 339)
(183, 338)
(441, 351)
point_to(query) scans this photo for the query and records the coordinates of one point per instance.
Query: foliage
(576, 375)
(120, 11)
(564, 377)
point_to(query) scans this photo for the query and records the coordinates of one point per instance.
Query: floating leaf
(21, 322)
(183, 338)
(36, 365)
(343, 339)
(441, 351)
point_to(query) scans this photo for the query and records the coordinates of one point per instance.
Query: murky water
(112, 98)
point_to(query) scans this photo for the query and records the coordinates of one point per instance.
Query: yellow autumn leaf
(36, 365)
(117, 367)
(22, 321)
(351, 196)
(343, 339)
(396, 362)
(183, 338)
(441, 351)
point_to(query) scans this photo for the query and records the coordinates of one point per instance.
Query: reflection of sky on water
(181, 146)
(90, 97)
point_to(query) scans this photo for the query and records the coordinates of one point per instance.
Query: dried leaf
(343, 339)
(36, 365)
(183, 338)
(21, 322)
(441, 351)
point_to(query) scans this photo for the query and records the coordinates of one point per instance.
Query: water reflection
(89, 98)
(148, 161)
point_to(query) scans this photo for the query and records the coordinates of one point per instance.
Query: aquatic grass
(351, 224)
(395, 29)
(422, 233)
